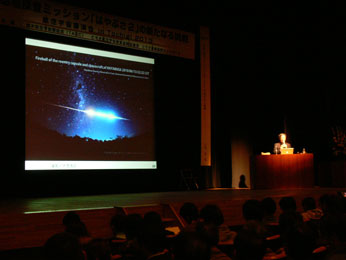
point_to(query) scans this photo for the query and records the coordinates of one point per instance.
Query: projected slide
(87, 108)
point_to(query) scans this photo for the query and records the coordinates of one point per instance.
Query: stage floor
(56, 204)
(28, 222)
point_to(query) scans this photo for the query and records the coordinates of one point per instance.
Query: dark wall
(278, 67)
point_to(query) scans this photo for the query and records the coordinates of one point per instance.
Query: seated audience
(63, 246)
(252, 210)
(311, 212)
(269, 220)
(252, 214)
(133, 225)
(299, 237)
(74, 225)
(268, 207)
(117, 224)
(311, 216)
(152, 242)
(210, 233)
(191, 246)
(332, 223)
(249, 244)
(153, 220)
(144, 238)
(331, 204)
(289, 221)
(189, 212)
(211, 214)
(287, 204)
(289, 218)
(98, 249)
(300, 245)
(337, 237)
(71, 218)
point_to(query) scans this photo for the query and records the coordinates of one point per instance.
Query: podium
(283, 171)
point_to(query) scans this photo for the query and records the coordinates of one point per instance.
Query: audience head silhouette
(74, 225)
(211, 213)
(71, 218)
(288, 204)
(133, 225)
(252, 210)
(189, 212)
(268, 206)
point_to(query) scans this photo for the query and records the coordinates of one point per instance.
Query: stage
(29, 222)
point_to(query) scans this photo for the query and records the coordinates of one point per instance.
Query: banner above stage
(60, 19)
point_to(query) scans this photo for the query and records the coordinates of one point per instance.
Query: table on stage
(283, 171)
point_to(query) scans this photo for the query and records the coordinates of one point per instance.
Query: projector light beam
(91, 112)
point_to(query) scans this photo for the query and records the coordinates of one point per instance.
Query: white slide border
(89, 51)
(88, 165)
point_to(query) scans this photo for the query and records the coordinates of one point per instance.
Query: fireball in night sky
(89, 113)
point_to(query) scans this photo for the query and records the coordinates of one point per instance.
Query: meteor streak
(91, 112)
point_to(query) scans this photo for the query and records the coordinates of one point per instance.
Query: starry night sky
(50, 85)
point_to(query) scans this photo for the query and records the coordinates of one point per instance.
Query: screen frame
(68, 165)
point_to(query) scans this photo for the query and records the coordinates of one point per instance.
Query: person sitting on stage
(282, 144)
(242, 182)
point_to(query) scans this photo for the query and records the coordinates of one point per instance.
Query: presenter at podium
(282, 144)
